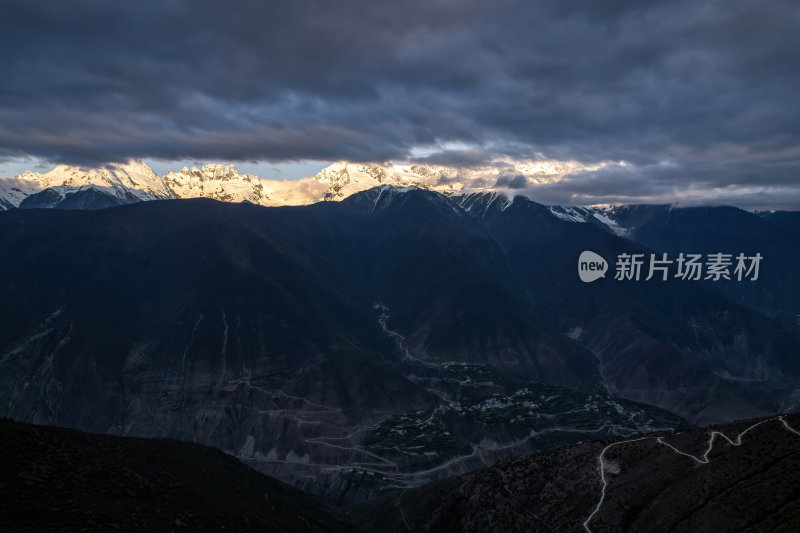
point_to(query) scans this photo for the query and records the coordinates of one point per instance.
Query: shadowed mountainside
(58, 479)
(751, 487)
(392, 339)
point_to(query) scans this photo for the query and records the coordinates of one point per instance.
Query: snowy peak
(14, 190)
(133, 177)
(128, 182)
(219, 182)
(337, 178)
(344, 179)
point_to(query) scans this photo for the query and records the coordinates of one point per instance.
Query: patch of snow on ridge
(612, 224)
(583, 214)
(568, 213)
(505, 201)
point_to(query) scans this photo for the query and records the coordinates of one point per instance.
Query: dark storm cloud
(680, 90)
(511, 182)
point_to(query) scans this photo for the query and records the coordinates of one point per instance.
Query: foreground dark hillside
(651, 488)
(64, 480)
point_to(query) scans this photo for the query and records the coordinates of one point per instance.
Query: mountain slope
(707, 230)
(350, 348)
(444, 285)
(666, 343)
(786, 219)
(65, 480)
(229, 325)
(651, 486)
(83, 197)
(216, 331)
(728, 229)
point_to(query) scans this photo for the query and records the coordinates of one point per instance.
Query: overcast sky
(700, 99)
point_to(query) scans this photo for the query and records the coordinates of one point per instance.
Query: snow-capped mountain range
(136, 181)
(70, 187)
